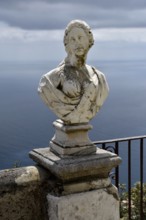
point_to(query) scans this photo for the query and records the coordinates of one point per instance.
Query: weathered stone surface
(83, 186)
(71, 139)
(74, 91)
(92, 205)
(77, 167)
(22, 193)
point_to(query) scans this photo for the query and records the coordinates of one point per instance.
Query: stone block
(71, 139)
(73, 168)
(98, 204)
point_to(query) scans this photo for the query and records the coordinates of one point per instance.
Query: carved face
(78, 42)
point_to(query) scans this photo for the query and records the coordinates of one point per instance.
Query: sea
(26, 123)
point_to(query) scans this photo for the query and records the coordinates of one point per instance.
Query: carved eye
(72, 39)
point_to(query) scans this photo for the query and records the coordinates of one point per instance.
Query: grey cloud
(108, 4)
(50, 14)
(124, 4)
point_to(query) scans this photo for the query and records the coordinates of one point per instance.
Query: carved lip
(79, 48)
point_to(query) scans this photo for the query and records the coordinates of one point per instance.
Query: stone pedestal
(74, 168)
(92, 205)
(71, 140)
(81, 188)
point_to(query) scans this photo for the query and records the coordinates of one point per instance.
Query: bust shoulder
(96, 71)
(99, 74)
(93, 71)
(54, 75)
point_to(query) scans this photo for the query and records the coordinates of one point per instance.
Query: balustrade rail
(115, 145)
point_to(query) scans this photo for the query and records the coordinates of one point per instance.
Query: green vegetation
(135, 202)
(16, 164)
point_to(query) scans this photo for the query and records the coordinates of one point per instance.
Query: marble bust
(74, 91)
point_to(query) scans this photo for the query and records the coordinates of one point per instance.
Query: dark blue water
(26, 123)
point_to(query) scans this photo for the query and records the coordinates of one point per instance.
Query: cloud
(110, 43)
(30, 29)
(13, 33)
(135, 35)
(100, 34)
(130, 4)
(50, 14)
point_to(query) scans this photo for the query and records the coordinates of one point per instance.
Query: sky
(34, 29)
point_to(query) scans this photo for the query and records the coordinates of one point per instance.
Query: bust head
(74, 91)
(78, 37)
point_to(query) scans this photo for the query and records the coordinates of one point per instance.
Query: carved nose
(78, 44)
(77, 41)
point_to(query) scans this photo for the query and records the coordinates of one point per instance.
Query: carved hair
(78, 24)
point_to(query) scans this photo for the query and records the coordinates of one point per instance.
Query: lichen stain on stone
(21, 205)
(27, 177)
